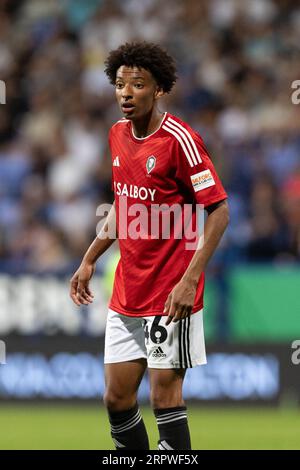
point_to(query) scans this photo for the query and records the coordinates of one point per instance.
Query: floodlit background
(237, 60)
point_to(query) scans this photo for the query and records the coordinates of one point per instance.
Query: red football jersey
(170, 166)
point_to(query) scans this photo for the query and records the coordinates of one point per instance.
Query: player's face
(136, 91)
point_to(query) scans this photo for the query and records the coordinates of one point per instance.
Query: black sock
(173, 428)
(128, 429)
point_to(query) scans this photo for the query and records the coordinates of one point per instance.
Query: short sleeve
(195, 170)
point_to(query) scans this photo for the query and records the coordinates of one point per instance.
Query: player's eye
(119, 85)
(139, 85)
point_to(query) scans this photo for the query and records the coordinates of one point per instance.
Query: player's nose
(127, 92)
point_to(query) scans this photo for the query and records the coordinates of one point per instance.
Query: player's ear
(159, 92)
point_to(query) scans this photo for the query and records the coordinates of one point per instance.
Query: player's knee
(112, 401)
(115, 401)
(165, 398)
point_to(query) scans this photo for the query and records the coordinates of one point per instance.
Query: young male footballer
(155, 316)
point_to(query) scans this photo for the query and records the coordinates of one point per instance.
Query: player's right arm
(80, 292)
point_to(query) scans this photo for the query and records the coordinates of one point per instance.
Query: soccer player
(155, 315)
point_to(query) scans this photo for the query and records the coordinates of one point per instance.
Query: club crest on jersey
(150, 163)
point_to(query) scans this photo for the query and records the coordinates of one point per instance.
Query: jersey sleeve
(195, 170)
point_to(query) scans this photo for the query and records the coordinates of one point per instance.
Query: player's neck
(148, 124)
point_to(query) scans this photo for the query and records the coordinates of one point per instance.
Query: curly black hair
(145, 55)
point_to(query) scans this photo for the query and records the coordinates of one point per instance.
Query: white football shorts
(178, 345)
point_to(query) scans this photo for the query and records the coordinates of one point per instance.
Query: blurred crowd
(236, 62)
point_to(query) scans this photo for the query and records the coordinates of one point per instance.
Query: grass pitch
(86, 427)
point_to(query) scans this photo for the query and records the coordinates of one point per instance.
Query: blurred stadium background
(237, 60)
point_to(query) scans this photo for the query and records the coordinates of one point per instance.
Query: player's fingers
(84, 293)
(80, 294)
(179, 314)
(87, 297)
(88, 291)
(171, 312)
(73, 285)
(75, 299)
(73, 291)
(189, 310)
(81, 298)
(167, 305)
(185, 312)
(82, 289)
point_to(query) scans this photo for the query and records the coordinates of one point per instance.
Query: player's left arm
(180, 302)
(195, 169)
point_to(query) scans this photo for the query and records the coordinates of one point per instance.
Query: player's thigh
(166, 378)
(166, 387)
(123, 379)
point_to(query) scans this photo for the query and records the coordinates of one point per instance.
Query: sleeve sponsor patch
(202, 180)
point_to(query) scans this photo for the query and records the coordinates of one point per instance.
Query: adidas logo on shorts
(158, 353)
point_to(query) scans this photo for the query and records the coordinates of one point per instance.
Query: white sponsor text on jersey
(136, 192)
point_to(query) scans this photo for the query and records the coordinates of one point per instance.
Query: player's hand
(180, 301)
(80, 292)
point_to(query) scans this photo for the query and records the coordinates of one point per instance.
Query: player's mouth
(127, 108)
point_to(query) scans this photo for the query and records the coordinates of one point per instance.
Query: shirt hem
(216, 199)
(196, 309)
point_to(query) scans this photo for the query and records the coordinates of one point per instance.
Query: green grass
(86, 427)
